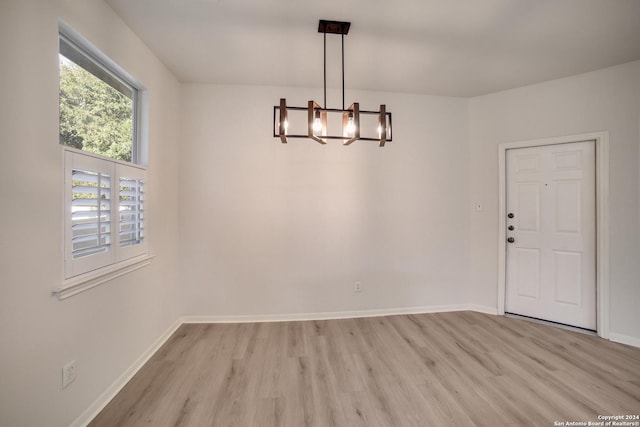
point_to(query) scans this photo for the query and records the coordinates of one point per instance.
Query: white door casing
(551, 232)
(602, 220)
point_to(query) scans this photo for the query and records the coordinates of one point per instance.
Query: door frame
(602, 218)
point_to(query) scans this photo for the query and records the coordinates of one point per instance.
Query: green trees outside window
(94, 115)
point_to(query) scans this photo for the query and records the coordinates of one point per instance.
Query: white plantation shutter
(131, 188)
(104, 212)
(131, 211)
(90, 212)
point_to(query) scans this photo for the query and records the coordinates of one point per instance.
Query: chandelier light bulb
(351, 126)
(317, 123)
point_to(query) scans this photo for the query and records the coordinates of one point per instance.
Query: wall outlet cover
(68, 373)
(358, 287)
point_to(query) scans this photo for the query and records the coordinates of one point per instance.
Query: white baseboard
(124, 378)
(337, 314)
(624, 339)
(482, 309)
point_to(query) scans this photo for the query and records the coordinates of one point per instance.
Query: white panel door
(551, 233)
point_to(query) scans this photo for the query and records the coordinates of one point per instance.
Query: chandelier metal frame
(317, 115)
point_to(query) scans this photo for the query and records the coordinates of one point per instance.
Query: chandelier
(356, 124)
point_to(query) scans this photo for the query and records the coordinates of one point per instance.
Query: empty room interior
(330, 213)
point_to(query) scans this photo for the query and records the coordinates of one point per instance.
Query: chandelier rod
(343, 71)
(325, 70)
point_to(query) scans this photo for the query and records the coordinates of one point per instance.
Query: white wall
(605, 100)
(268, 228)
(106, 328)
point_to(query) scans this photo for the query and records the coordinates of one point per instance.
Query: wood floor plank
(273, 370)
(378, 381)
(445, 405)
(454, 369)
(299, 405)
(327, 407)
(340, 359)
(269, 412)
(359, 411)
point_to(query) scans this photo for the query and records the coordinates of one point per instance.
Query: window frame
(86, 272)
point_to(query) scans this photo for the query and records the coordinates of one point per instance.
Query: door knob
(511, 240)
(510, 215)
(511, 228)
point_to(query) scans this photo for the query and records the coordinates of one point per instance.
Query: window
(104, 185)
(98, 108)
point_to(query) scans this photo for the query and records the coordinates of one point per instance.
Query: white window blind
(131, 211)
(105, 212)
(90, 212)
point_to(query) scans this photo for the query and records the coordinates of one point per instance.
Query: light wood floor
(446, 369)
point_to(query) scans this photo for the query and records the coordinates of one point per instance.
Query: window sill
(76, 285)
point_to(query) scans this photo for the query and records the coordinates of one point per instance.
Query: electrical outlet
(68, 373)
(357, 286)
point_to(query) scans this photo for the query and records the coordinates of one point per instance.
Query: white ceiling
(438, 47)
